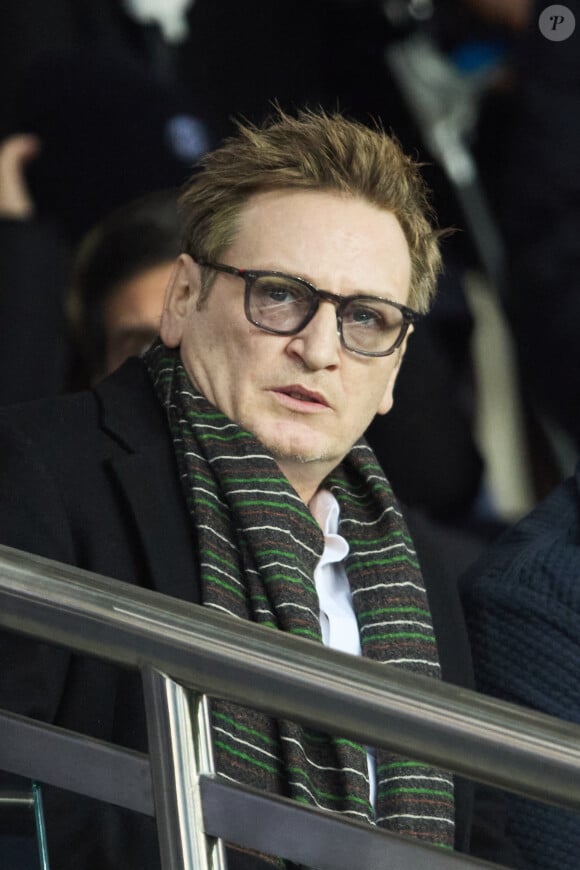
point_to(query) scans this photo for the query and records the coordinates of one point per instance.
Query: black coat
(91, 480)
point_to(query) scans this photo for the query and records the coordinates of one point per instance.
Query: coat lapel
(143, 464)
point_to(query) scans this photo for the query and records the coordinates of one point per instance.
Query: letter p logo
(557, 23)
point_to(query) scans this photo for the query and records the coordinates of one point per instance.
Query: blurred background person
(34, 262)
(118, 282)
(115, 279)
(522, 605)
(522, 598)
(103, 128)
(537, 180)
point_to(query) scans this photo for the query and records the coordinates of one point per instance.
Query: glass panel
(22, 828)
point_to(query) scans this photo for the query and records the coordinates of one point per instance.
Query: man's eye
(274, 293)
(281, 294)
(367, 317)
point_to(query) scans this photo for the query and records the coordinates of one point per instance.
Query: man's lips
(301, 396)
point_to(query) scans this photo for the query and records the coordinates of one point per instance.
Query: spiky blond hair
(312, 151)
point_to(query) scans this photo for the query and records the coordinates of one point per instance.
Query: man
(120, 273)
(33, 273)
(226, 468)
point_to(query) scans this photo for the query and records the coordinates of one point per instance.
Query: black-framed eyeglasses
(284, 304)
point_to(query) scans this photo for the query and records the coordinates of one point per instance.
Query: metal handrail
(125, 778)
(492, 742)
(489, 741)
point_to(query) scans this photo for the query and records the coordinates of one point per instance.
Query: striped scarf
(258, 548)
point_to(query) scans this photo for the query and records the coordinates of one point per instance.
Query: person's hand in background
(15, 152)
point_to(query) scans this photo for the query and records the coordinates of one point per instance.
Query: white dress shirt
(337, 618)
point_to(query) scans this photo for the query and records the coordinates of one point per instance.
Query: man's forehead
(324, 237)
(274, 212)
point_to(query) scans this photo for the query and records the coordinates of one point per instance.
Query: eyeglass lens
(282, 305)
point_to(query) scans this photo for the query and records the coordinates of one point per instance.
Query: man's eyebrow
(382, 294)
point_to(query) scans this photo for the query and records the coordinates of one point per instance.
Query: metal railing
(172, 642)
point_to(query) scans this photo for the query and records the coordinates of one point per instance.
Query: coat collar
(144, 467)
(130, 412)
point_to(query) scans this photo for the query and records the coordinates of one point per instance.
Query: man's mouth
(301, 394)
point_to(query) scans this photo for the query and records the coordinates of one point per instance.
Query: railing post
(180, 750)
(40, 826)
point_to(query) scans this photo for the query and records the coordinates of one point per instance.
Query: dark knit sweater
(522, 605)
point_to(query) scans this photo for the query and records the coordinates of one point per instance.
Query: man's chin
(296, 450)
(321, 462)
(304, 466)
(297, 447)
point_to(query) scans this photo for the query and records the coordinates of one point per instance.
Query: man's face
(339, 244)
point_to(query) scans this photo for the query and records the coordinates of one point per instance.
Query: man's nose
(318, 344)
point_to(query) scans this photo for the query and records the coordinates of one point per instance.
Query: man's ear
(180, 297)
(388, 397)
